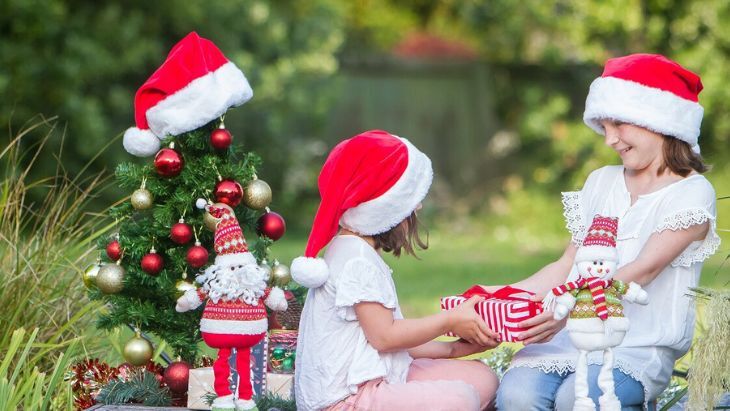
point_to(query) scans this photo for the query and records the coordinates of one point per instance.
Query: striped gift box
(502, 310)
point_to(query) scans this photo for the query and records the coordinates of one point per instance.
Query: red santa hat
(600, 242)
(650, 91)
(229, 244)
(195, 85)
(368, 184)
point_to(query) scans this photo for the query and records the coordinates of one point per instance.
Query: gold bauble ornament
(280, 274)
(257, 194)
(110, 278)
(141, 199)
(138, 351)
(182, 286)
(210, 221)
(89, 275)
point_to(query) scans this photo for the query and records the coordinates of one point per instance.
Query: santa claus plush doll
(234, 291)
(593, 301)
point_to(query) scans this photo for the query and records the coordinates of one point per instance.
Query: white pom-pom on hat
(310, 272)
(140, 143)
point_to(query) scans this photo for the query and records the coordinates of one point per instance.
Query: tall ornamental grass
(46, 236)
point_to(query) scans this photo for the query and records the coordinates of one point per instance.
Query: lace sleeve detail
(698, 251)
(361, 281)
(573, 213)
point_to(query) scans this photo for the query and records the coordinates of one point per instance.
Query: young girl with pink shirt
(355, 350)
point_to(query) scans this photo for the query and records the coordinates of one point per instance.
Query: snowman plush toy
(234, 291)
(593, 303)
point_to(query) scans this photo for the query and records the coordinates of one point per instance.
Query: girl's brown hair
(680, 159)
(403, 237)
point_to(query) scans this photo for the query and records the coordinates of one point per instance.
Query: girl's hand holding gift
(542, 327)
(467, 324)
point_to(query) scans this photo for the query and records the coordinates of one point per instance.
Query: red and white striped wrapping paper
(501, 314)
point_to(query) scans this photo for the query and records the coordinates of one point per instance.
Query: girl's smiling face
(638, 147)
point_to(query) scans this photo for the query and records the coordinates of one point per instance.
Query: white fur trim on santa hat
(203, 100)
(385, 212)
(227, 260)
(310, 272)
(140, 143)
(596, 252)
(276, 300)
(657, 110)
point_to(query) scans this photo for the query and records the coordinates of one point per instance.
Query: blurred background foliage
(493, 91)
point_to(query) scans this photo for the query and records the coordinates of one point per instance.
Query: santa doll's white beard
(246, 283)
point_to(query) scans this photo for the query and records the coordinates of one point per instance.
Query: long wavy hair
(680, 159)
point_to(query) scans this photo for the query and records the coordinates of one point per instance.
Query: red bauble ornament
(152, 263)
(114, 250)
(271, 225)
(228, 192)
(181, 233)
(169, 162)
(197, 255)
(176, 376)
(220, 139)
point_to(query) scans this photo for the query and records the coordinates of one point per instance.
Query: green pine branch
(141, 388)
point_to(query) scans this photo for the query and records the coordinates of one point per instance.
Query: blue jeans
(529, 389)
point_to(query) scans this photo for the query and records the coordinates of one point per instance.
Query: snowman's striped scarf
(597, 287)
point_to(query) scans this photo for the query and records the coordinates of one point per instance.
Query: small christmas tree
(164, 237)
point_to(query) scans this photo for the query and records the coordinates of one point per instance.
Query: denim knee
(527, 389)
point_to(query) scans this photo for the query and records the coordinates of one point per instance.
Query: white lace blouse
(661, 331)
(333, 356)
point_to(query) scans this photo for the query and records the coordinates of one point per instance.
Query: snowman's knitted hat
(600, 242)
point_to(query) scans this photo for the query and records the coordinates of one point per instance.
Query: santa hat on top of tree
(195, 85)
(600, 242)
(368, 184)
(650, 91)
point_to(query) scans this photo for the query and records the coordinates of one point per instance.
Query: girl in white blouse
(355, 350)
(646, 106)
